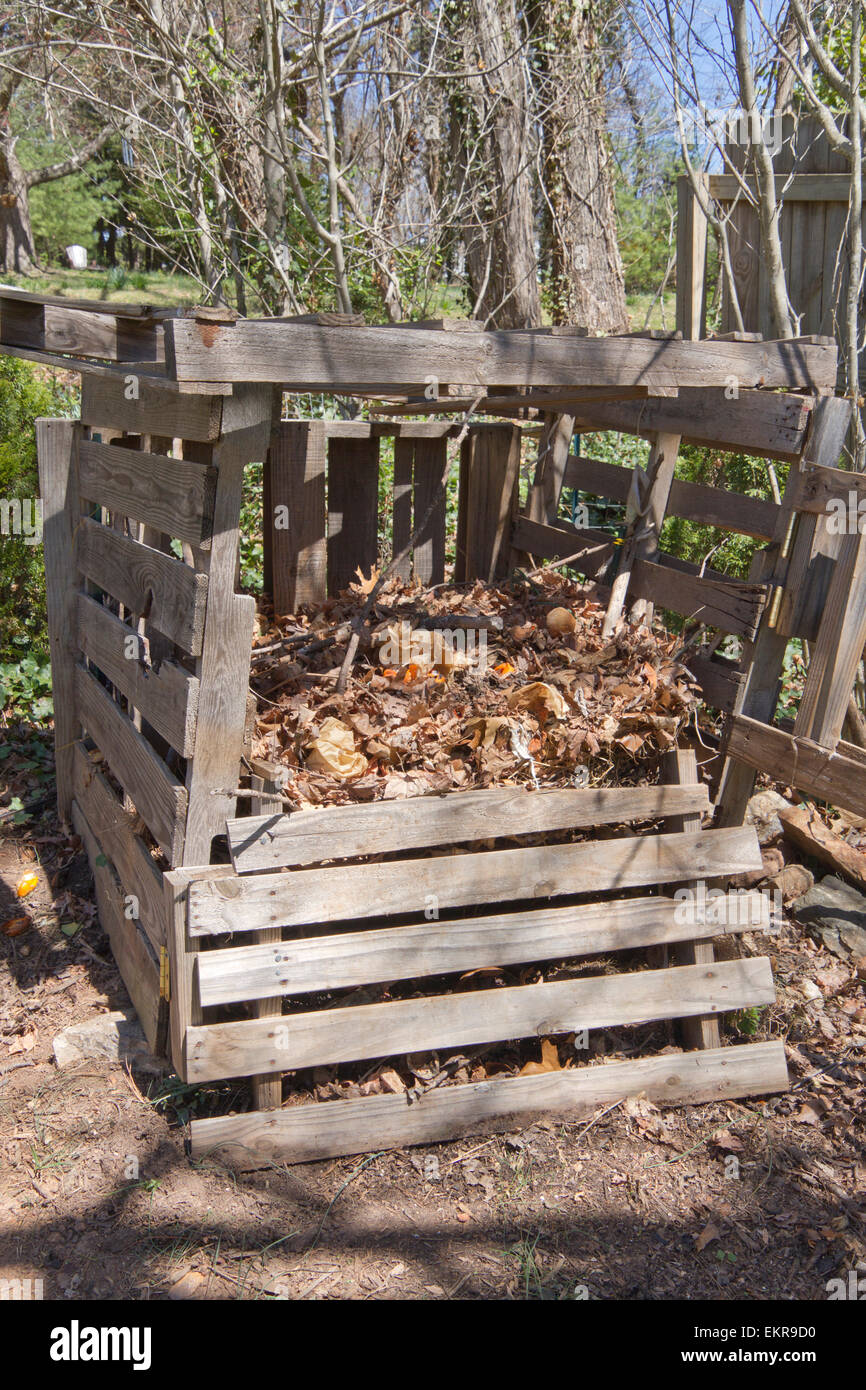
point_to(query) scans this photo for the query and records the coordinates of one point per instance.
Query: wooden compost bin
(151, 650)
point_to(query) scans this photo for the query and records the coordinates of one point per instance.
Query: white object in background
(77, 257)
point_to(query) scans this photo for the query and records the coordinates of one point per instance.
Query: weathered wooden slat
(297, 513)
(702, 1031)
(224, 667)
(401, 531)
(301, 355)
(173, 496)
(771, 425)
(711, 506)
(305, 1133)
(813, 188)
(284, 841)
(153, 409)
(399, 953)
(57, 444)
(551, 466)
(138, 968)
(829, 776)
(428, 559)
(156, 793)
(80, 332)
(306, 896)
(167, 696)
(838, 650)
(594, 546)
(112, 827)
(150, 583)
(731, 605)
(353, 509)
(720, 680)
(357, 1032)
(820, 486)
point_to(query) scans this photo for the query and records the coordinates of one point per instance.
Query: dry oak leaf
(333, 751)
(539, 695)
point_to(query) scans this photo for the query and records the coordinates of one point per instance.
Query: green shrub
(25, 394)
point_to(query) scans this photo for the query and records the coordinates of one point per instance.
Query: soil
(98, 1198)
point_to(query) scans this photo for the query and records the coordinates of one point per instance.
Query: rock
(115, 1037)
(810, 990)
(763, 813)
(834, 914)
(772, 863)
(793, 881)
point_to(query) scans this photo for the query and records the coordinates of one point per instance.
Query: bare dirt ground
(98, 1198)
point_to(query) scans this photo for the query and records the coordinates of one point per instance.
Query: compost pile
(462, 687)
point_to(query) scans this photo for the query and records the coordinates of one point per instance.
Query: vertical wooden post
(223, 668)
(267, 1088)
(429, 555)
(57, 446)
(691, 259)
(296, 516)
(642, 540)
(353, 509)
(681, 766)
(553, 447)
(489, 469)
(838, 650)
(404, 455)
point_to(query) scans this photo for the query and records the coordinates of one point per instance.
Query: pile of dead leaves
(464, 687)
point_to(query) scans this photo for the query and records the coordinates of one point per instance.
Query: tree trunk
(16, 236)
(584, 270)
(490, 128)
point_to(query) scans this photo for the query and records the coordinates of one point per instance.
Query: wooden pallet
(339, 925)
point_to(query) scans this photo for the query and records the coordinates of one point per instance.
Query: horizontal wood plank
(829, 776)
(158, 796)
(167, 696)
(170, 594)
(732, 605)
(154, 409)
(305, 896)
(542, 542)
(358, 1032)
(821, 188)
(710, 506)
(309, 837)
(380, 954)
(769, 424)
(80, 332)
(173, 496)
(302, 355)
(818, 487)
(305, 1133)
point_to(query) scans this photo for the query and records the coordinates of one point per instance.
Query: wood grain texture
(158, 796)
(153, 410)
(820, 772)
(304, 356)
(700, 1031)
(224, 667)
(57, 443)
(401, 532)
(379, 954)
(148, 582)
(112, 827)
(769, 424)
(487, 505)
(297, 487)
(166, 695)
(305, 1133)
(428, 560)
(355, 1033)
(138, 967)
(173, 496)
(285, 841)
(732, 605)
(305, 896)
(559, 541)
(353, 510)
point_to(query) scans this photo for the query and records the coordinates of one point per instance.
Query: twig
(558, 564)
